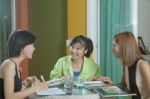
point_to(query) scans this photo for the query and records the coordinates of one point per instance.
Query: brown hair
(128, 48)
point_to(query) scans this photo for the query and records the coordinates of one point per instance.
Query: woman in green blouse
(78, 65)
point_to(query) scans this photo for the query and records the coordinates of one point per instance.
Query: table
(78, 93)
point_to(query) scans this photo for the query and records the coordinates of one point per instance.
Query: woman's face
(28, 50)
(77, 51)
(116, 49)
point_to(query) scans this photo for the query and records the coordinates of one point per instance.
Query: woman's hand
(29, 81)
(41, 86)
(104, 79)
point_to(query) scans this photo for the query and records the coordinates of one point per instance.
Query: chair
(141, 45)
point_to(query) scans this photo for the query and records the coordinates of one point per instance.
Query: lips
(74, 56)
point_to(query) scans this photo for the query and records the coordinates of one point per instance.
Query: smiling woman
(78, 65)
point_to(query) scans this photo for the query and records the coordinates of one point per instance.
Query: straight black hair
(18, 40)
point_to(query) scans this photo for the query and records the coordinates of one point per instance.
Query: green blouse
(64, 67)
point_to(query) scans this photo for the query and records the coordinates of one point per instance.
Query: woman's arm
(29, 81)
(57, 71)
(145, 70)
(9, 73)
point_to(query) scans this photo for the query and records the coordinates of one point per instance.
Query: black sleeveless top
(17, 83)
(132, 80)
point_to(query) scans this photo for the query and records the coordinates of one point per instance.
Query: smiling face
(28, 50)
(77, 51)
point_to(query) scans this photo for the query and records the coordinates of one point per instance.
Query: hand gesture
(104, 79)
(41, 86)
(29, 81)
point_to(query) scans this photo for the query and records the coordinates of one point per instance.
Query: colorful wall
(53, 21)
(22, 22)
(48, 20)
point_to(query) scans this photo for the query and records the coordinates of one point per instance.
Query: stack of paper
(50, 91)
(94, 83)
(55, 82)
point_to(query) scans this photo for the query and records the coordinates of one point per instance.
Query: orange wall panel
(22, 22)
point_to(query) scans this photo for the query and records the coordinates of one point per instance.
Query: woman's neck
(77, 62)
(18, 60)
(77, 65)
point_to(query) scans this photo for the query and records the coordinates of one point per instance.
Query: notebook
(55, 82)
(93, 84)
(113, 91)
(51, 91)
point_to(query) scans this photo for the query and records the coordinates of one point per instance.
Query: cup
(79, 83)
(68, 85)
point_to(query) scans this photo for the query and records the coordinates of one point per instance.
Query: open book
(93, 84)
(112, 91)
(50, 91)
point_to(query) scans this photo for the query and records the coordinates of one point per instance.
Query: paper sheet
(50, 91)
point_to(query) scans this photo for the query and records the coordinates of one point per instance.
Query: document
(93, 83)
(55, 82)
(51, 91)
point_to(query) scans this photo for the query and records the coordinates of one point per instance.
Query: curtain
(5, 26)
(115, 16)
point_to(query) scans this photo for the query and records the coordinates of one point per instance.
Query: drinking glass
(68, 84)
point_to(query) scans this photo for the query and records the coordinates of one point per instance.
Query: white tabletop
(91, 96)
(77, 94)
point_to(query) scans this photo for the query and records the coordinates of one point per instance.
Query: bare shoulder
(8, 65)
(144, 66)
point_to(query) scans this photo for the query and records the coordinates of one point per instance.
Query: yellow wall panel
(76, 18)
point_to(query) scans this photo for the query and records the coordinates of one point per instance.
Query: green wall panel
(48, 20)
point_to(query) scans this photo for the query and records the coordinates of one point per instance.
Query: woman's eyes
(78, 48)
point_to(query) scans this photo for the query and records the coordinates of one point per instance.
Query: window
(5, 26)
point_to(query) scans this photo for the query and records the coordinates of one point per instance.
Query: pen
(42, 78)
